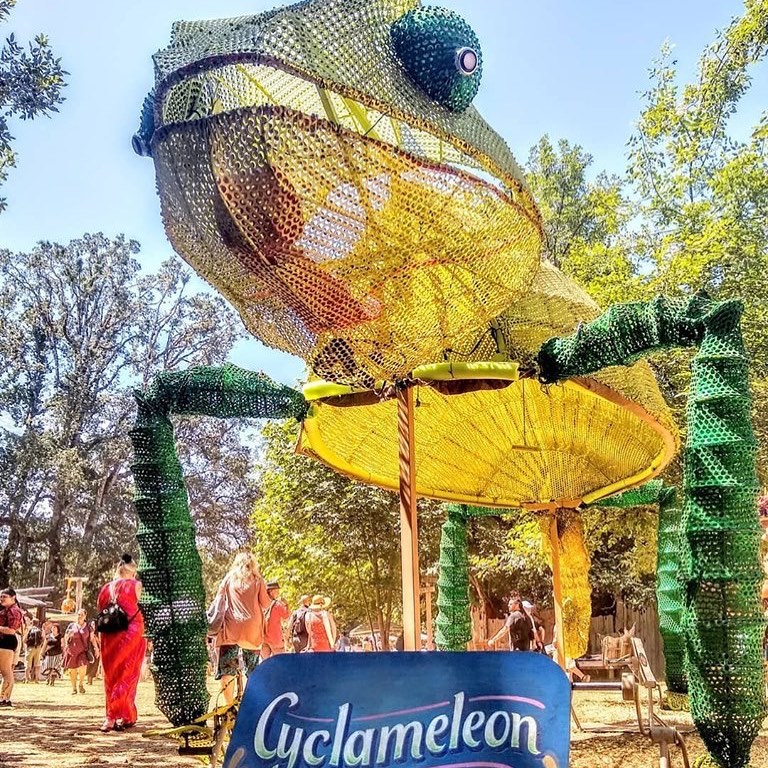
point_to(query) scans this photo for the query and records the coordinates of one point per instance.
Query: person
(537, 644)
(571, 668)
(11, 625)
(367, 644)
(94, 662)
(52, 655)
(246, 597)
(122, 652)
(321, 627)
(298, 627)
(77, 641)
(517, 625)
(274, 616)
(35, 642)
(345, 644)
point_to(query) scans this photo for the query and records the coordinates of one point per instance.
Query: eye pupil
(466, 61)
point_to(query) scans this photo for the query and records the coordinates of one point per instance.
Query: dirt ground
(51, 728)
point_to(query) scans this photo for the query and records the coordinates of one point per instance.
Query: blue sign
(376, 710)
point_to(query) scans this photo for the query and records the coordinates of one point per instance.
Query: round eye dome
(441, 54)
(467, 61)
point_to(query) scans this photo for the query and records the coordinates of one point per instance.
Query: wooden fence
(646, 625)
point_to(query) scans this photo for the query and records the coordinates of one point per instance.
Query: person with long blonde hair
(245, 594)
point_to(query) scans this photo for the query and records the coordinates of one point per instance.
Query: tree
(320, 532)
(585, 221)
(703, 193)
(82, 327)
(30, 85)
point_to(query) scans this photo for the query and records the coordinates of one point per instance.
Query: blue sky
(570, 68)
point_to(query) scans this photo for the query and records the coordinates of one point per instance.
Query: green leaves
(31, 81)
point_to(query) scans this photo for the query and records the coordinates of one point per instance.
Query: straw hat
(320, 603)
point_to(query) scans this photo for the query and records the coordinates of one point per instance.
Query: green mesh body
(454, 621)
(670, 545)
(722, 620)
(173, 597)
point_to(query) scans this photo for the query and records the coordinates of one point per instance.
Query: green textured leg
(454, 620)
(722, 618)
(171, 571)
(670, 545)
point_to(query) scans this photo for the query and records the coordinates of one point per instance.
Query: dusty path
(51, 728)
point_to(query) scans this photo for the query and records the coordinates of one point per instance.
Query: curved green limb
(173, 598)
(670, 545)
(722, 619)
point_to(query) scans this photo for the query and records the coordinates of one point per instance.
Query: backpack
(34, 637)
(298, 628)
(113, 618)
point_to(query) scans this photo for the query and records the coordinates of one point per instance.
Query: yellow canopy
(486, 435)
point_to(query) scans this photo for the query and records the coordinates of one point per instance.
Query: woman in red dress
(320, 625)
(122, 653)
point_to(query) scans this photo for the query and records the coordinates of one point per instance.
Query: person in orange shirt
(274, 616)
(242, 631)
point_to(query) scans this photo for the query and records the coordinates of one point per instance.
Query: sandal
(107, 726)
(119, 725)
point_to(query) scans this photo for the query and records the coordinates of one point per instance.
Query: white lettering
(284, 750)
(491, 738)
(259, 736)
(474, 721)
(401, 731)
(458, 706)
(363, 756)
(437, 727)
(532, 727)
(339, 734)
(310, 758)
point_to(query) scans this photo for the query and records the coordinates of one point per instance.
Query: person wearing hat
(537, 644)
(321, 627)
(517, 625)
(274, 616)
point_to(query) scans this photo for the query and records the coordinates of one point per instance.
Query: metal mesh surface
(173, 597)
(454, 621)
(352, 214)
(722, 619)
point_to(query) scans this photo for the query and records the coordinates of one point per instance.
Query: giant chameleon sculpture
(322, 166)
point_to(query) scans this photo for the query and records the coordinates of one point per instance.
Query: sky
(571, 69)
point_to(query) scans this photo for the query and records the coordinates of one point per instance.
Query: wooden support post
(557, 591)
(409, 531)
(428, 589)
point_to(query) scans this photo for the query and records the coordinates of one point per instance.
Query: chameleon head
(322, 166)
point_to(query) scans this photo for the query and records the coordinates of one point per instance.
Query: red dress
(319, 641)
(122, 653)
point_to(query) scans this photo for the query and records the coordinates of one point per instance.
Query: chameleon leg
(173, 598)
(722, 615)
(454, 621)
(574, 578)
(670, 545)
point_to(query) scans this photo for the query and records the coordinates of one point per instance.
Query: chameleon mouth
(347, 236)
(265, 84)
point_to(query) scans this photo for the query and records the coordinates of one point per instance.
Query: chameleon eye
(441, 54)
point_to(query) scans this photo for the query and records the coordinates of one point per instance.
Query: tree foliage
(319, 532)
(31, 82)
(691, 214)
(82, 327)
